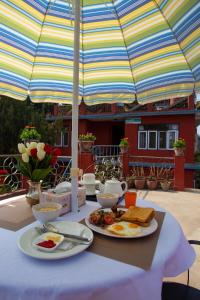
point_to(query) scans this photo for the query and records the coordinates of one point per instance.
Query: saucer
(88, 193)
(89, 183)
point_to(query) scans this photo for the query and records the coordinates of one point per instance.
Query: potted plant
(140, 182)
(86, 142)
(36, 162)
(166, 179)
(165, 184)
(152, 182)
(30, 134)
(124, 145)
(130, 181)
(179, 147)
(138, 173)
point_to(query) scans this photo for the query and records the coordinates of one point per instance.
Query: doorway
(117, 133)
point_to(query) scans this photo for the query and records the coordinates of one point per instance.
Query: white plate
(144, 230)
(27, 238)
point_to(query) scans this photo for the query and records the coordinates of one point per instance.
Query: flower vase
(34, 192)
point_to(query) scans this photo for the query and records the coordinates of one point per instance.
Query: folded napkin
(62, 187)
(66, 245)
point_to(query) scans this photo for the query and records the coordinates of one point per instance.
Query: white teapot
(114, 186)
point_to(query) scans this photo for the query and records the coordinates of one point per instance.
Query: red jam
(47, 244)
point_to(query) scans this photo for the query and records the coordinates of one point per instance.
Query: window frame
(176, 137)
(156, 132)
(63, 139)
(159, 148)
(146, 133)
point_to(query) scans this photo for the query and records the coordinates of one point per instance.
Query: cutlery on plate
(51, 228)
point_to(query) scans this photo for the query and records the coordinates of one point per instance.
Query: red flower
(53, 160)
(56, 151)
(34, 152)
(3, 172)
(47, 149)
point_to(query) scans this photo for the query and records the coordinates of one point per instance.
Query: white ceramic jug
(114, 186)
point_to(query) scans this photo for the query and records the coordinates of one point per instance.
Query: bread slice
(139, 215)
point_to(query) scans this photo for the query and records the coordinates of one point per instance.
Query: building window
(160, 136)
(172, 137)
(62, 138)
(142, 140)
(162, 139)
(152, 140)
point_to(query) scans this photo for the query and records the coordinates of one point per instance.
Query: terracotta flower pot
(130, 182)
(139, 183)
(165, 185)
(123, 149)
(152, 184)
(179, 151)
(85, 146)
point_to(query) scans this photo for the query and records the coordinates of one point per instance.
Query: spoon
(52, 228)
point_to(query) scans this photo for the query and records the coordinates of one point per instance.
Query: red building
(151, 129)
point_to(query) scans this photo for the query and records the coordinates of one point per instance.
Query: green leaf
(40, 174)
(24, 168)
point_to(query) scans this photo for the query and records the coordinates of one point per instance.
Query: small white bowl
(56, 238)
(45, 212)
(107, 200)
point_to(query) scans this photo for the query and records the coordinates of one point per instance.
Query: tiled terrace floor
(185, 207)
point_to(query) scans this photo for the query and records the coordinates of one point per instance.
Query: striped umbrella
(115, 51)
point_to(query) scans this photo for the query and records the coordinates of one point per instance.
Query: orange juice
(130, 199)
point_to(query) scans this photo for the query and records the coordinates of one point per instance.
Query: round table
(88, 276)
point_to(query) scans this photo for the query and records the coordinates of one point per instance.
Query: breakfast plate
(136, 233)
(25, 242)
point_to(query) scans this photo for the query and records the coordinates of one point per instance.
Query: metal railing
(13, 181)
(105, 152)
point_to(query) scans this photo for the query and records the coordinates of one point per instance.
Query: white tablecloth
(88, 276)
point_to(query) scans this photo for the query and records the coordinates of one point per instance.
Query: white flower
(21, 148)
(40, 146)
(25, 157)
(31, 146)
(41, 154)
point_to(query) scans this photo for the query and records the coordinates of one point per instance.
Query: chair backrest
(179, 291)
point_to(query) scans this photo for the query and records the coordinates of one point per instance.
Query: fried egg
(124, 228)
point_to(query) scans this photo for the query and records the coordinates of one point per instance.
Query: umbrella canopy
(147, 48)
(144, 49)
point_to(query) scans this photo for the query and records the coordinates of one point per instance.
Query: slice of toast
(139, 215)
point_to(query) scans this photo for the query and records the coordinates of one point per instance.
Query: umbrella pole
(75, 107)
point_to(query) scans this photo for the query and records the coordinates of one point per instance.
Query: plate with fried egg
(123, 229)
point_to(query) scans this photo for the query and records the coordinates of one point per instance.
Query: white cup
(89, 178)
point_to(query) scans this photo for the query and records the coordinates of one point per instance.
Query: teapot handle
(126, 186)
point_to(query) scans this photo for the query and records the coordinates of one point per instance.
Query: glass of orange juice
(130, 199)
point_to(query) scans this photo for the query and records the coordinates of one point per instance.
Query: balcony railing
(14, 183)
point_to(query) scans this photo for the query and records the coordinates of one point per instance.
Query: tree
(15, 115)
